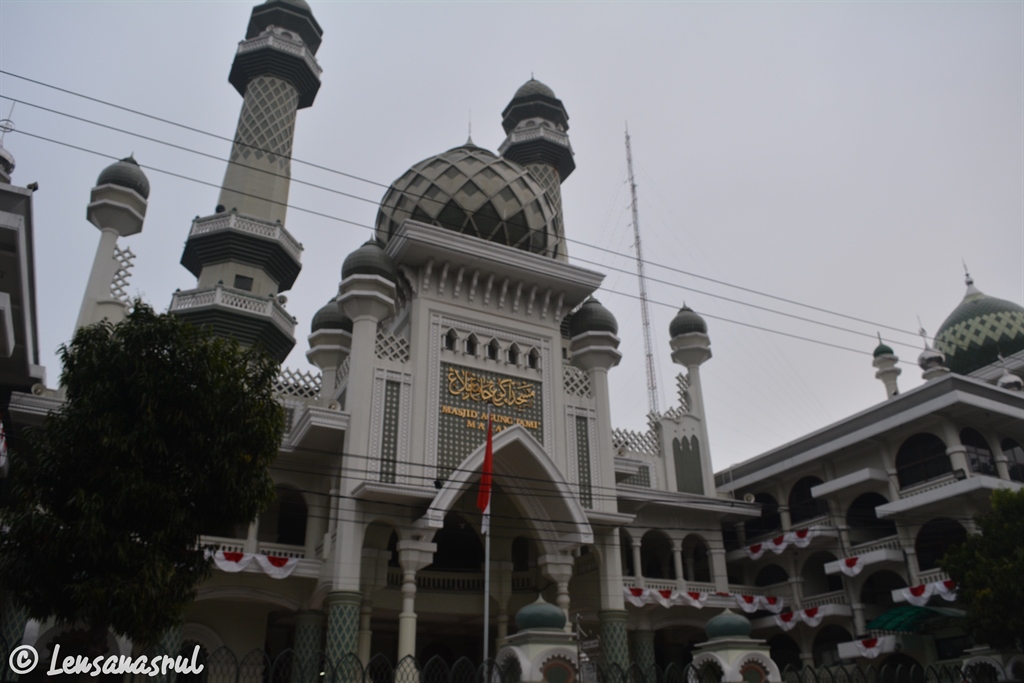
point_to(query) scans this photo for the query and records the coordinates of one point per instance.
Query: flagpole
(486, 527)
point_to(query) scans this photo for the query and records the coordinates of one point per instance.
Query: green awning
(911, 619)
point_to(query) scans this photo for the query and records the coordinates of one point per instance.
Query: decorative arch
(815, 580)
(862, 519)
(656, 555)
(826, 644)
(769, 521)
(804, 506)
(770, 667)
(935, 538)
(696, 558)
(248, 594)
(878, 587)
(286, 518)
(771, 575)
(1014, 458)
(978, 452)
(525, 472)
(920, 458)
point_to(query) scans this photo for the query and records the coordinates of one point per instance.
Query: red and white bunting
(918, 595)
(778, 544)
(812, 617)
(665, 598)
(747, 603)
(232, 562)
(851, 566)
(947, 589)
(636, 596)
(756, 551)
(694, 599)
(869, 647)
(771, 603)
(277, 567)
(786, 621)
(803, 537)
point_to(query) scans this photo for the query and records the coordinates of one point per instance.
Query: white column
(413, 556)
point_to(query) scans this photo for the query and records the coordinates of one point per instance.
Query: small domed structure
(534, 87)
(883, 349)
(330, 317)
(540, 614)
(1010, 381)
(728, 624)
(685, 322)
(472, 191)
(592, 317)
(125, 173)
(979, 329)
(369, 259)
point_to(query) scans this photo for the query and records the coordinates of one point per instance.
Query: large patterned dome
(474, 192)
(978, 330)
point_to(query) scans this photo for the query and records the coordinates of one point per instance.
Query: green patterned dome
(883, 350)
(369, 259)
(685, 322)
(592, 317)
(728, 624)
(540, 614)
(978, 330)
(474, 192)
(330, 317)
(534, 87)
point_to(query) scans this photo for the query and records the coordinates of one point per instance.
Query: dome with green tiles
(474, 192)
(978, 330)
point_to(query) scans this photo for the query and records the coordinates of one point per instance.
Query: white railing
(887, 543)
(228, 545)
(930, 485)
(833, 598)
(220, 296)
(661, 584)
(932, 575)
(819, 521)
(253, 226)
(701, 586)
(587, 564)
(282, 550)
(268, 39)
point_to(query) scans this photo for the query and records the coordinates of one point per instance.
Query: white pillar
(413, 556)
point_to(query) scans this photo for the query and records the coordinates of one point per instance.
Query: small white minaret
(118, 208)
(885, 360)
(932, 361)
(691, 347)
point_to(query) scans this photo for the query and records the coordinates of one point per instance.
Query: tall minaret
(242, 254)
(535, 124)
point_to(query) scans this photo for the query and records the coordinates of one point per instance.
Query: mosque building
(467, 304)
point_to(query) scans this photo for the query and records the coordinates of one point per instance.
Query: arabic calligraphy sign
(465, 395)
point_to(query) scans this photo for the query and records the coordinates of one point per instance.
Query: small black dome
(883, 350)
(125, 173)
(592, 317)
(686, 321)
(330, 317)
(534, 87)
(369, 259)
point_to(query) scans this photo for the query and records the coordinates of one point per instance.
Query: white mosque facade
(467, 304)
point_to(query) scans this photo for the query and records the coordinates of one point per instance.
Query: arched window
(935, 538)
(826, 644)
(458, 546)
(285, 519)
(769, 520)
(493, 349)
(878, 588)
(803, 505)
(784, 652)
(471, 345)
(1014, 458)
(656, 556)
(979, 455)
(513, 354)
(451, 340)
(920, 458)
(696, 559)
(626, 553)
(533, 359)
(815, 580)
(523, 554)
(862, 518)
(771, 575)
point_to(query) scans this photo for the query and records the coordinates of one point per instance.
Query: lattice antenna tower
(652, 384)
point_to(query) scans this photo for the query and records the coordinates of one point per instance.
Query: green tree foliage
(165, 433)
(989, 568)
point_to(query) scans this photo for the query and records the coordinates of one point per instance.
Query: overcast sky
(846, 156)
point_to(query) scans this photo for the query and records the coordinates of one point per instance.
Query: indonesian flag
(231, 562)
(869, 647)
(483, 498)
(811, 617)
(695, 599)
(755, 551)
(947, 589)
(277, 567)
(786, 621)
(771, 603)
(636, 596)
(778, 544)
(747, 603)
(851, 566)
(918, 595)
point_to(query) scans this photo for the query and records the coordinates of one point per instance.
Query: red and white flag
(918, 595)
(947, 589)
(851, 566)
(786, 621)
(694, 599)
(771, 603)
(483, 498)
(665, 598)
(747, 603)
(636, 596)
(802, 538)
(755, 551)
(812, 617)
(869, 647)
(778, 544)
(231, 561)
(276, 566)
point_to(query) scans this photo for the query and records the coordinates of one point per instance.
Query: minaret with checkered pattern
(242, 254)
